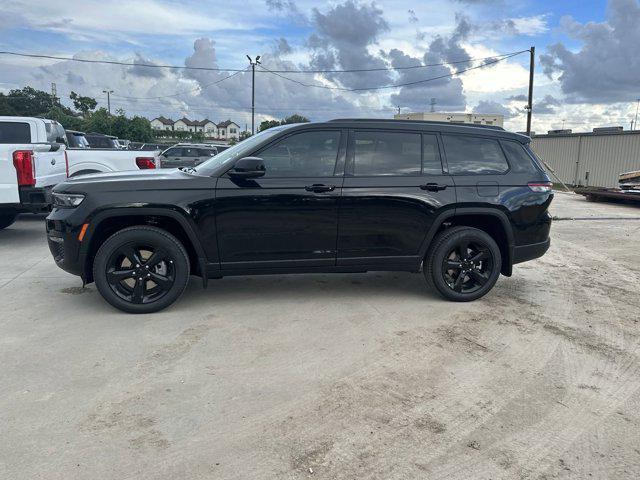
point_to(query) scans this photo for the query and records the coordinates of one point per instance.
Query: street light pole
(635, 122)
(253, 92)
(108, 92)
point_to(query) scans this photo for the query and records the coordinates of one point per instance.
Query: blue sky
(342, 34)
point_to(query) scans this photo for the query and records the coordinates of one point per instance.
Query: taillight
(541, 187)
(145, 163)
(25, 168)
(66, 162)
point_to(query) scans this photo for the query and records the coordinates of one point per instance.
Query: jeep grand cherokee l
(461, 203)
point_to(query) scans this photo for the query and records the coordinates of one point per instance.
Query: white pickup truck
(34, 158)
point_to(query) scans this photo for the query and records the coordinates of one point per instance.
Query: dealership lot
(331, 376)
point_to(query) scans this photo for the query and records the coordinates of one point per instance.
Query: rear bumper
(34, 199)
(525, 253)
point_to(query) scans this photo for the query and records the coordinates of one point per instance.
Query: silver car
(186, 155)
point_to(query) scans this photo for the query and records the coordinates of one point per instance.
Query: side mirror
(248, 167)
(54, 147)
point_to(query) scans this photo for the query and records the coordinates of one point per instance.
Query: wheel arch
(490, 220)
(106, 223)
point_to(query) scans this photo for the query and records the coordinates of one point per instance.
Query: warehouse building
(591, 158)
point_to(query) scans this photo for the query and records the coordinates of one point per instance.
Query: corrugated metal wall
(602, 156)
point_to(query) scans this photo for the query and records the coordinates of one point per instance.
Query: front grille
(56, 246)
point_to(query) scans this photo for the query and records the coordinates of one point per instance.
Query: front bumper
(64, 245)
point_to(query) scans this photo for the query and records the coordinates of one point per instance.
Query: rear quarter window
(467, 155)
(519, 159)
(15, 132)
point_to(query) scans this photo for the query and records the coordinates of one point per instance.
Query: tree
(244, 135)
(27, 102)
(295, 118)
(266, 124)
(84, 104)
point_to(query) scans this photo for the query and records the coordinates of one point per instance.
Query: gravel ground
(330, 376)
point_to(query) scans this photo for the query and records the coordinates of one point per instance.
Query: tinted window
(386, 153)
(189, 152)
(307, 154)
(15, 132)
(172, 152)
(431, 164)
(474, 155)
(519, 159)
(207, 152)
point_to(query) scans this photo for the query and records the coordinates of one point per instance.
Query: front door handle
(319, 188)
(433, 187)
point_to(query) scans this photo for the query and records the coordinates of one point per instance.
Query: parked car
(100, 140)
(87, 161)
(186, 155)
(76, 139)
(460, 203)
(32, 161)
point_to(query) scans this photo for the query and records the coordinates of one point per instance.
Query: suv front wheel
(463, 264)
(141, 269)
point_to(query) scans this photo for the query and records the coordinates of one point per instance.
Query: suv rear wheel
(7, 219)
(463, 264)
(141, 269)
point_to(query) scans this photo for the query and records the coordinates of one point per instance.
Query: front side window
(386, 153)
(189, 152)
(306, 154)
(468, 155)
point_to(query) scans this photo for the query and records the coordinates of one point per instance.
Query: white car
(34, 158)
(32, 162)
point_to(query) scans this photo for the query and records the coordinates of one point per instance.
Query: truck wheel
(7, 219)
(463, 264)
(141, 269)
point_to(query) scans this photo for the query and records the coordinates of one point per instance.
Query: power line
(200, 88)
(397, 85)
(220, 69)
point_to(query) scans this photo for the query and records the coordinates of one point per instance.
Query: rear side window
(431, 163)
(474, 155)
(520, 161)
(387, 153)
(15, 132)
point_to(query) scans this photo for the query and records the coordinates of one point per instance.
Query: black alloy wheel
(141, 269)
(463, 264)
(468, 266)
(140, 273)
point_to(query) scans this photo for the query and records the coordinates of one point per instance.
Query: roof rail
(425, 122)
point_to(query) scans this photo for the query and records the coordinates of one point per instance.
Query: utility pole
(108, 92)
(253, 92)
(635, 122)
(54, 94)
(532, 62)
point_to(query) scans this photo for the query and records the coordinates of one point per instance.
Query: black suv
(462, 203)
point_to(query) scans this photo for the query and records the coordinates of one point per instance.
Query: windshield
(238, 150)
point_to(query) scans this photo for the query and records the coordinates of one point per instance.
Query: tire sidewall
(152, 236)
(445, 246)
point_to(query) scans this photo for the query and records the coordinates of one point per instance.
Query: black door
(393, 190)
(288, 218)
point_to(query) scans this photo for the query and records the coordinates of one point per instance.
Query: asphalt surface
(330, 376)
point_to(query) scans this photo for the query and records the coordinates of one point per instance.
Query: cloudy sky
(587, 65)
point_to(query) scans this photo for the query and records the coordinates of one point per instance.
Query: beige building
(473, 118)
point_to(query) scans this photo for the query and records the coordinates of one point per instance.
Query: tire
(126, 266)
(471, 275)
(7, 219)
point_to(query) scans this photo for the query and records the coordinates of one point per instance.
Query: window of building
(305, 154)
(386, 153)
(474, 155)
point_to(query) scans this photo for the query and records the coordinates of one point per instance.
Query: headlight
(67, 200)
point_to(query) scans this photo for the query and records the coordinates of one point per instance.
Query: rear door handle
(319, 188)
(433, 187)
